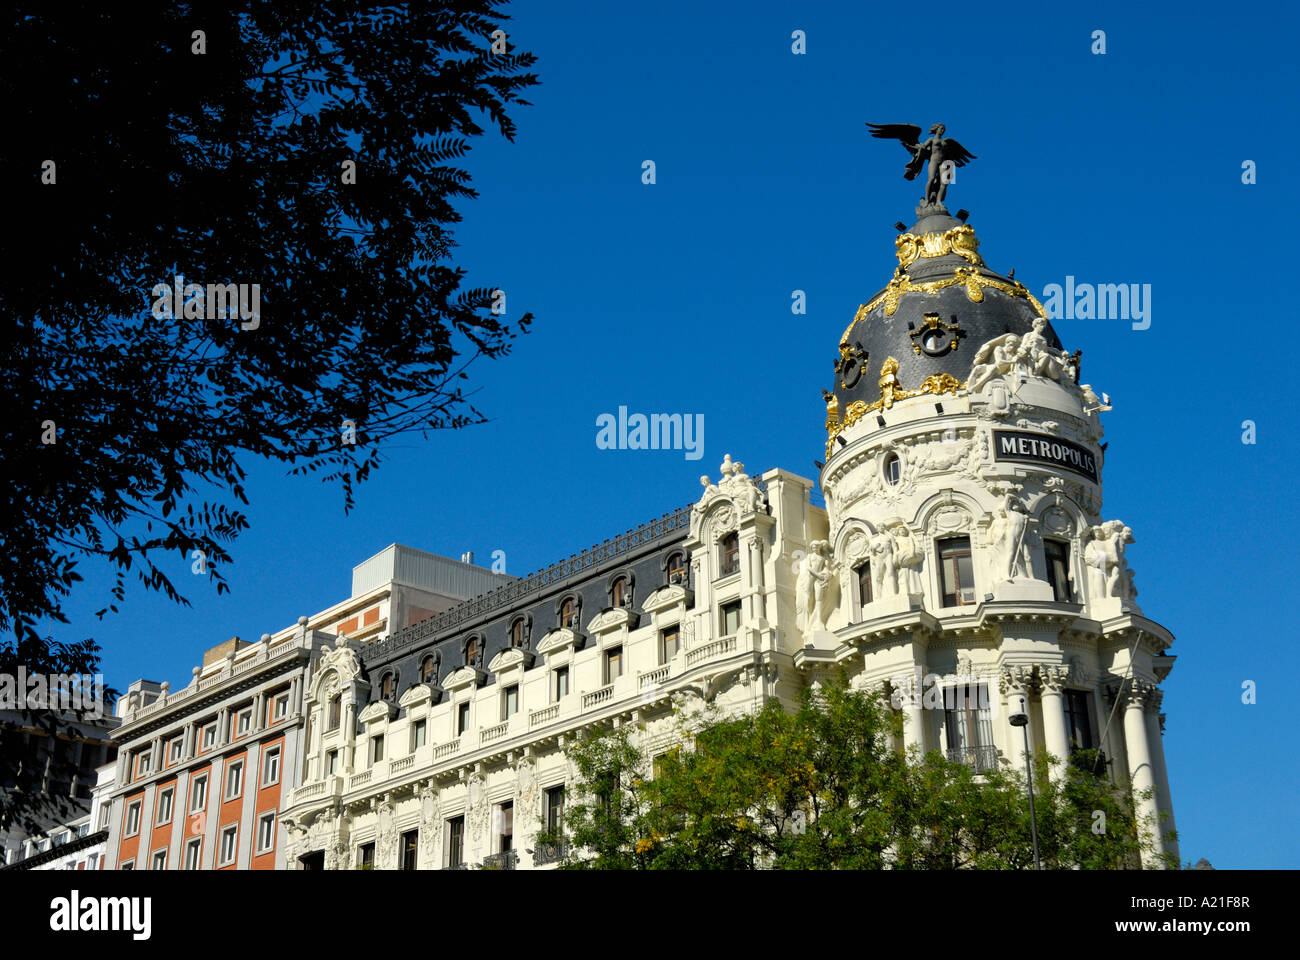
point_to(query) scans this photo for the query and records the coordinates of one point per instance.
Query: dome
(923, 329)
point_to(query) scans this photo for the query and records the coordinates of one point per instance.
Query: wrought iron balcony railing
(982, 759)
(546, 853)
(506, 860)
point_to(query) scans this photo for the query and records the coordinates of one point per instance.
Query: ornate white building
(962, 564)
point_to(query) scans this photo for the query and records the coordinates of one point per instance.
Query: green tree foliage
(822, 787)
(152, 139)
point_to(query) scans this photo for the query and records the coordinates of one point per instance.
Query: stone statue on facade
(1009, 531)
(995, 358)
(907, 559)
(1108, 575)
(1035, 356)
(933, 154)
(810, 589)
(883, 570)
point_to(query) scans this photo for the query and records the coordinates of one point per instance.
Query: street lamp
(1021, 719)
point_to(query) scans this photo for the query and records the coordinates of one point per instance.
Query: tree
(823, 788)
(297, 162)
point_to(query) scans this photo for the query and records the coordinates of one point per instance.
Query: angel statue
(938, 149)
(996, 357)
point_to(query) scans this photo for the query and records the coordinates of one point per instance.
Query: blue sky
(1122, 168)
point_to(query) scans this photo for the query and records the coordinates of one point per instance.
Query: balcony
(980, 759)
(506, 860)
(597, 697)
(550, 853)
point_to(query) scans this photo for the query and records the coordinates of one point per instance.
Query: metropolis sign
(1041, 448)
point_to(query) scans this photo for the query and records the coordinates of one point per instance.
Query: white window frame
(235, 767)
(127, 864)
(207, 742)
(196, 844)
(229, 830)
(170, 794)
(506, 712)
(375, 749)
(243, 721)
(562, 670)
(153, 859)
(145, 762)
(263, 818)
(331, 763)
(128, 830)
(174, 749)
(280, 707)
(199, 785)
(277, 753)
(419, 732)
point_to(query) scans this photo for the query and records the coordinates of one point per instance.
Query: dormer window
(677, 569)
(427, 670)
(388, 687)
(621, 593)
(473, 651)
(517, 632)
(730, 554)
(569, 613)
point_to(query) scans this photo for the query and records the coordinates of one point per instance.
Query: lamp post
(1021, 719)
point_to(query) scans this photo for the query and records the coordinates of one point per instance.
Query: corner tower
(966, 533)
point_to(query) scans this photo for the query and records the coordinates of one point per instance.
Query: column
(1139, 762)
(259, 711)
(1014, 684)
(1155, 740)
(913, 710)
(1058, 742)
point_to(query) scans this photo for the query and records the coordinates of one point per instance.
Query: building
(79, 844)
(962, 552)
(203, 773)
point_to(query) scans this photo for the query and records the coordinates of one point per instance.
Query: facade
(79, 844)
(203, 773)
(961, 564)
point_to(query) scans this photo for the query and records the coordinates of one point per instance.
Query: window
(331, 763)
(561, 683)
(388, 687)
(517, 632)
(613, 664)
(376, 748)
(462, 718)
(336, 711)
(234, 779)
(730, 559)
(555, 809)
(243, 722)
(1077, 722)
(83, 829)
(426, 670)
(418, 734)
(956, 572)
(410, 844)
(669, 643)
(473, 651)
(1058, 569)
(271, 767)
(165, 798)
(193, 849)
(677, 569)
(229, 835)
(145, 761)
(455, 841)
(731, 618)
(174, 750)
(620, 593)
(159, 861)
(864, 584)
(127, 865)
(209, 736)
(199, 793)
(366, 856)
(893, 469)
(280, 707)
(266, 832)
(505, 821)
(132, 818)
(509, 701)
(569, 613)
(104, 813)
(968, 726)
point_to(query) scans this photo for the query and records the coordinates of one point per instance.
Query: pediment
(464, 677)
(379, 710)
(668, 596)
(509, 658)
(612, 619)
(559, 639)
(420, 693)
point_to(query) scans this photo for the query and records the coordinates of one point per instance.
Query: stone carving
(883, 572)
(479, 814)
(1093, 403)
(1008, 535)
(734, 485)
(1036, 357)
(386, 851)
(907, 559)
(430, 825)
(1108, 574)
(811, 589)
(995, 358)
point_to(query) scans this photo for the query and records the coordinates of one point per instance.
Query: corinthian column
(1155, 740)
(1014, 684)
(1139, 763)
(1058, 743)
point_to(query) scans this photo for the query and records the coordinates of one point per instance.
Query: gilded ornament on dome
(960, 241)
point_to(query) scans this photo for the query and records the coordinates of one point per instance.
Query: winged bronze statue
(938, 150)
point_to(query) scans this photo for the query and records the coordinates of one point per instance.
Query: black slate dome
(941, 306)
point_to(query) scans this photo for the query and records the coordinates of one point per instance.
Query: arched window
(569, 613)
(517, 632)
(677, 569)
(730, 549)
(893, 469)
(473, 651)
(427, 670)
(620, 592)
(388, 686)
